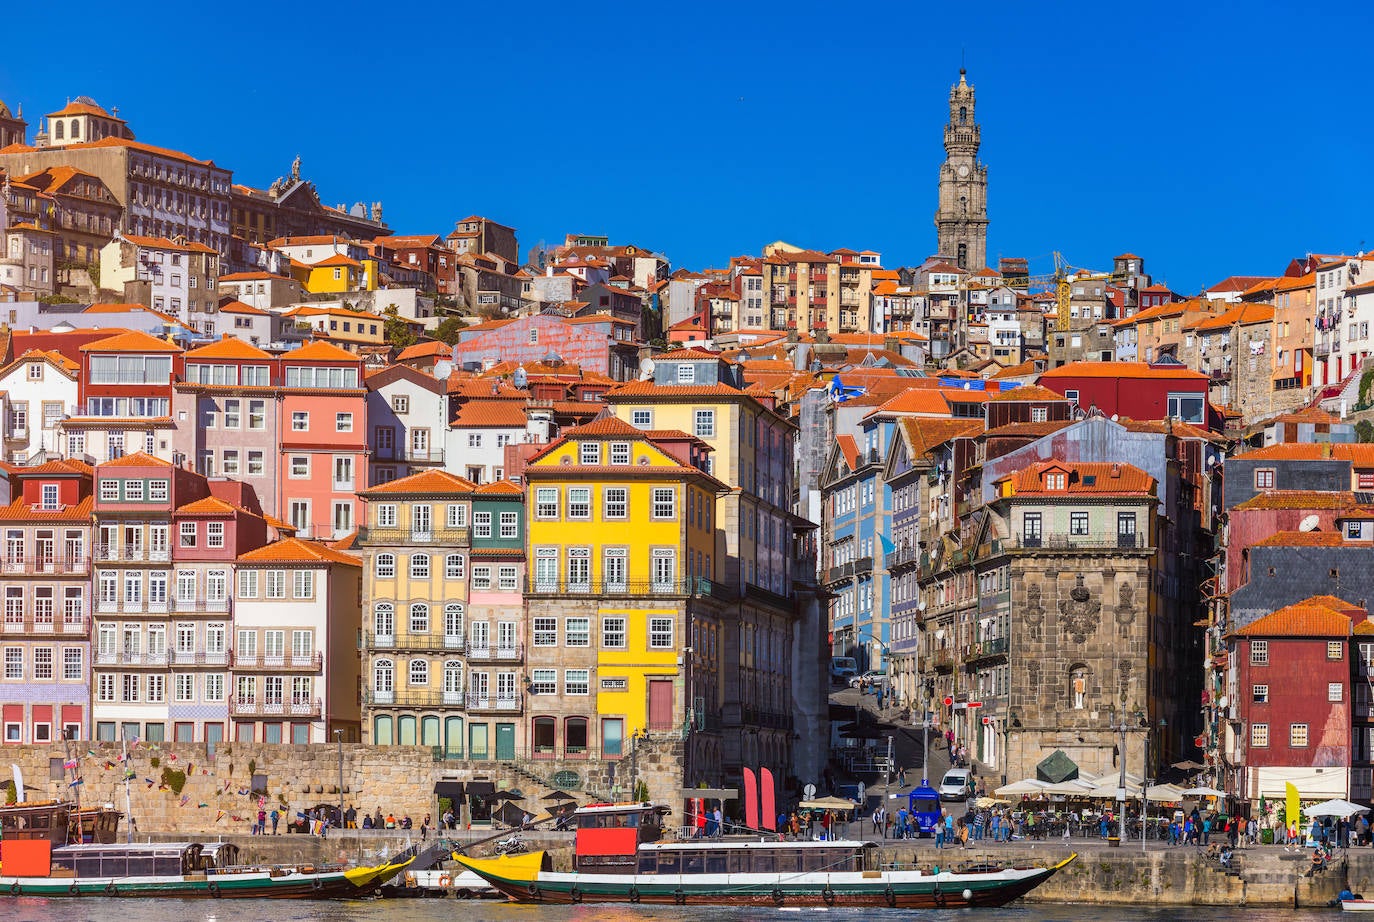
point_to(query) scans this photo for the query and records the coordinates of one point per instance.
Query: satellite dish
(1225, 700)
(1115, 417)
(1309, 523)
(519, 378)
(809, 792)
(442, 370)
(922, 605)
(646, 370)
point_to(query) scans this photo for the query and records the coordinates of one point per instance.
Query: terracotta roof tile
(490, 414)
(1302, 539)
(924, 434)
(1298, 499)
(1360, 454)
(254, 277)
(1107, 479)
(441, 482)
(137, 459)
(1119, 370)
(210, 505)
(1025, 392)
(1314, 617)
(320, 352)
(238, 307)
(499, 488)
(930, 400)
(166, 243)
(849, 449)
(131, 341)
(651, 389)
(425, 350)
(299, 550)
(228, 348)
(20, 511)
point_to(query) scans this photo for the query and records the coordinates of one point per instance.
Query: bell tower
(961, 221)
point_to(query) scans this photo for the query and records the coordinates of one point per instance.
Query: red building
(427, 253)
(1294, 698)
(1135, 390)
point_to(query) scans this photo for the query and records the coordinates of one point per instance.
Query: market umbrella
(1164, 793)
(1024, 786)
(505, 795)
(983, 803)
(1203, 792)
(1188, 765)
(828, 803)
(558, 796)
(1109, 791)
(1337, 807)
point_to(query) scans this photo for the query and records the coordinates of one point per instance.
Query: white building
(169, 275)
(406, 410)
(37, 390)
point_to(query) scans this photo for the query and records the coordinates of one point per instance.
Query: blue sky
(1210, 140)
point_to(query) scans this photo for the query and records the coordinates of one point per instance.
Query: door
(481, 638)
(660, 704)
(386, 442)
(505, 742)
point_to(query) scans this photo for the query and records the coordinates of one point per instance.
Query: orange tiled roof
(138, 145)
(1302, 539)
(320, 352)
(1240, 314)
(1314, 617)
(1025, 392)
(650, 389)
(1032, 430)
(849, 449)
(424, 482)
(425, 350)
(57, 359)
(166, 243)
(1360, 454)
(916, 400)
(338, 259)
(254, 277)
(238, 307)
(1119, 370)
(131, 341)
(228, 348)
(1299, 499)
(20, 511)
(81, 108)
(210, 505)
(1108, 479)
(137, 459)
(924, 434)
(490, 414)
(307, 240)
(690, 352)
(299, 550)
(500, 488)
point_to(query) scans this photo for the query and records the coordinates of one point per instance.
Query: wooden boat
(59, 821)
(1357, 905)
(33, 867)
(620, 858)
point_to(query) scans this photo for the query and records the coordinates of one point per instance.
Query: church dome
(4, 110)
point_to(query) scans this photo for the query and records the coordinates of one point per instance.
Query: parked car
(872, 677)
(957, 784)
(842, 668)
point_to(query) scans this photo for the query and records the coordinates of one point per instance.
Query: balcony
(498, 654)
(54, 566)
(310, 662)
(1326, 345)
(409, 454)
(1090, 542)
(454, 642)
(942, 660)
(863, 565)
(494, 704)
(775, 720)
(699, 587)
(905, 556)
(126, 658)
(251, 707)
(444, 537)
(414, 698)
(47, 628)
(839, 574)
(986, 649)
(192, 658)
(134, 554)
(200, 606)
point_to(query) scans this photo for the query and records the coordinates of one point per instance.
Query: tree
(448, 329)
(398, 333)
(1364, 431)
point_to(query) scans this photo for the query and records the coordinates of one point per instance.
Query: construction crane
(1060, 282)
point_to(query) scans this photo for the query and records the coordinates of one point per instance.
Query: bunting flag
(130, 775)
(202, 805)
(108, 765)
(75, 782)
(185, 799)
(91, 753)
(766, 795)
(219, 814)
(244, 792)
(751, 800)
(70, 764)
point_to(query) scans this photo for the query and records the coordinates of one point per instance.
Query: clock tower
(961, 221)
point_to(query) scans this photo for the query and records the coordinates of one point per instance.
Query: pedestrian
(878, 820)
(719, 818)
(262, 822)
(949, 827)
(902, 817)
(350, 818)
(901, 776)
(276, 818)
(940, 829)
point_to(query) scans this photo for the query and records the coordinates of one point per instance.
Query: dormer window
(50, 495)
(1056, 480)
(35, 371)
(686, 373)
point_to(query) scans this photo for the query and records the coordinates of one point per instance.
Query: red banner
(770, 812)
(751, 800)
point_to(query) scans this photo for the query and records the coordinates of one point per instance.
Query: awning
(480, 788)
(709, 793)
(453, 790)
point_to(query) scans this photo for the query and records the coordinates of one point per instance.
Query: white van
(957, 784)
(843, 668)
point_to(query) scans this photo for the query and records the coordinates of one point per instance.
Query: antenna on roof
(1309, 523)
(442, 370)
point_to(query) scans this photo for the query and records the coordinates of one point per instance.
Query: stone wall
(180, 788)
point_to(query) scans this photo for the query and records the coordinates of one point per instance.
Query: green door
(505, 742)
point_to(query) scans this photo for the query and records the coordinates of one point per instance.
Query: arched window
(386, 566)
(419, 618)
(963, 115)
(453, 624)
(453, 681)
(384, 620)
(454, 567)
(382, 730)
(575, 736)
(545, 731)
(57, 131)
(383, 676)
(419, 672)
(419, 566)
(76, 129)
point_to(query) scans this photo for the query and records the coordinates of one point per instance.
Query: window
(545, 632)
(1078, 523)
(481, 578)
(660, 633)
(509, 525)
(214, 534)
(14, 662)
(300, 466)
(386, 516)
(1264, 478)
(231, 461)
(419, 618)
(248, 584)
(613, 569)
(255, 464)
(1039, 414)
(663, 562)
(642, 419)
(577, 632)
(400, 404)
(616, 502)
(481, 524)
(686, 373)
(579, 569)
(303, 584)
(257, 414)
(613, 633)
(544, 681)
(579, 503)
(1030, 527)
(109, 490)
(589, 453)
(1335, 650)
(42, 663)
(343, 422)
(456, 515)
(1259, 653)
(1297, 735)
(419, 566)
(546, 503)
(506, 579)
(188, 534)
(665, 503)
(1259, 735)
(300, 421)
(455, 566)
(419, 672)
(1335, 691)
(184, 687)
(1260, 694)
(620, 452)
(577, 682)
(276, 584)
(705, 424)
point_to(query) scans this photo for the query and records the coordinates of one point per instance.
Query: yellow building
(622, 551)
(345, 328)
(334, 274)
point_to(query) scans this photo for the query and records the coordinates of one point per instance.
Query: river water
(27, 909)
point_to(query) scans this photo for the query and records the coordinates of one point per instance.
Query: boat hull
(352, 883)
(894, 889)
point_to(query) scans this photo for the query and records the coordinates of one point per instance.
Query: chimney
(1116, 470)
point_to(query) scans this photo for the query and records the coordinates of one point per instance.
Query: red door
(661, 704)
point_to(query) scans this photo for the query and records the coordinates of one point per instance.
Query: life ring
(778, 896)
(575, 894)
(534, 891)
(213, 888)
(73, 889)
(410, 878)
(679, 897)
(317, 884)
(14, 889)
(634, 894)
(890, 896)
(828, 895)
(111, 889)
(444, 880)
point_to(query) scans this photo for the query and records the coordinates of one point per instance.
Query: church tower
(961, 221)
